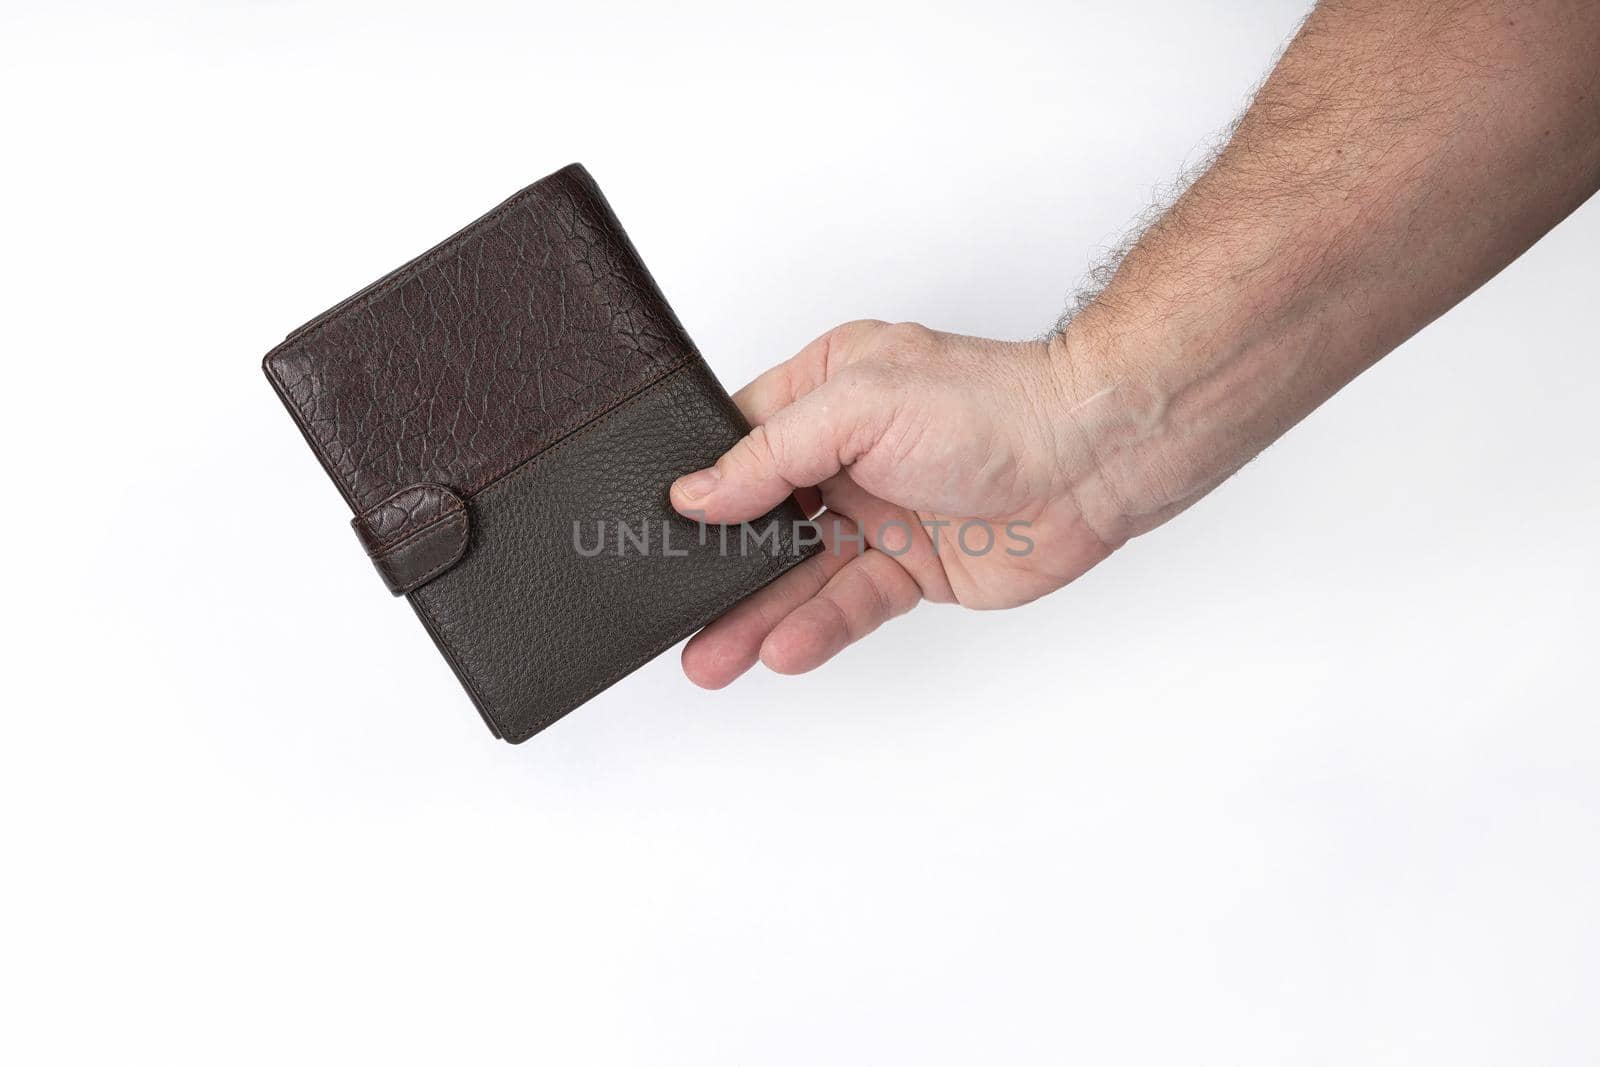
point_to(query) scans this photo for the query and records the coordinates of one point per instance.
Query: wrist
(1165, 407)
(1106, 416)
(1156, 414)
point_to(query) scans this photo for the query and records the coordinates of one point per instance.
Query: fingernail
(696, 485)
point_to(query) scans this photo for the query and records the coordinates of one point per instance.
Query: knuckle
(846, 343)
(894, 348)
(907, 339)
(857, 326)
(758, 450)
(881, 604)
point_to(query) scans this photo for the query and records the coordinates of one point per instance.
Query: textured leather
(472, 405)
(480, 352)
(533, 624)
(414, 536)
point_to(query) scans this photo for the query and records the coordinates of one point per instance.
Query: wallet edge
(779, 565)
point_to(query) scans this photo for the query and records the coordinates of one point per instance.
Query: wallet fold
(504, 414)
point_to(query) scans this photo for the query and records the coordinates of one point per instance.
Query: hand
(907, 436)
(1342, 216)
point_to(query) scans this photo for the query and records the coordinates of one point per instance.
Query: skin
(1400, 154)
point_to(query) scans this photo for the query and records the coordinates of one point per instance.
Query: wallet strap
(415, 535)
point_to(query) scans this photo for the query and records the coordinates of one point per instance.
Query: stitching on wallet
(576, 432)
(572, 435)
(455, 558)
(319, 445)
(452, 244)
(775, 565)
(454, 507)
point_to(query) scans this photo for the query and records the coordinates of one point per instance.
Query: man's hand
(1401, 153)
(952, 468)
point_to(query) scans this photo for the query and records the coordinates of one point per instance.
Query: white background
(1311, 775)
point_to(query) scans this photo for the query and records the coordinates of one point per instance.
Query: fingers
(731, 645)
(866, 592)
(800, 445)
(900, 532)
(807, 616)
(810, 421)
(760, 480)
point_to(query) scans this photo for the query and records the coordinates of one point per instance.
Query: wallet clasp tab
(415, 535)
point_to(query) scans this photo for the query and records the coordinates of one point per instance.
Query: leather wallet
(504, 415)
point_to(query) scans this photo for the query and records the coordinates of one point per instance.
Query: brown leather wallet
(504, 414)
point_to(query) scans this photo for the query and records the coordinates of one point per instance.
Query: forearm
(1400, 154)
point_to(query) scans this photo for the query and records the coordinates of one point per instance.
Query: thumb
(801, 445)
